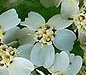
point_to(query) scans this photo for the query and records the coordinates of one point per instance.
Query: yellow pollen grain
(1, 50)
(39, 36)
(7, 58)
(12, 52)
(81, 18)
(1, 33)
(1, 65)
(47, 38)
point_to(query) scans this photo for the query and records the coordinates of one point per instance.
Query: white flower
(69, 9)
(75, 64)
(39, 31)
(60, 64)
(39, 36)
(72, 10)
(66, 65)
(10, 64)
(8, 20)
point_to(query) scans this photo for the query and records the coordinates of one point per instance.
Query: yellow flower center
(80, 18)
(45, 34)
(6, 55)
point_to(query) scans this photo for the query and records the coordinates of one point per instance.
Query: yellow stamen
(7, 58)
(81, 18)
(12, 52)
(48, 38)
(1, 65)
(39, 36)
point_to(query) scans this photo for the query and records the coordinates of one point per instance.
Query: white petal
(4, 71)
(69, 8)
(9, 19)
(76, 64)
(49, 57)
(33, 21)
(20, 66)
(64, 40)
(85, 2)
(25, 36)
(25, 50)
(58, 22)
(42, 55)
(10, 35)
(61, 62)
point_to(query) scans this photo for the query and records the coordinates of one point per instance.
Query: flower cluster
(35, 43)
(10, 62)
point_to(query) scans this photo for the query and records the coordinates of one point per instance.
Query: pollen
(39, 36)
(12, 52)
(7, 58)
(1, 65)
(6, 55)
(48, 38)
(81, 17)
(45, 34)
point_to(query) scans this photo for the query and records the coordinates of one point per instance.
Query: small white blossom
(8, 20)
(11, 64)
(71, 64)
(42, 35)
(78, 16)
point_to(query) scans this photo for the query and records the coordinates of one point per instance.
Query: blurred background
(23, 7)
